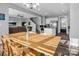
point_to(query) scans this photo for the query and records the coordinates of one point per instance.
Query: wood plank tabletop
(46, 44)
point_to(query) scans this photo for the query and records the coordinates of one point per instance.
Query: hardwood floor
(63, 46)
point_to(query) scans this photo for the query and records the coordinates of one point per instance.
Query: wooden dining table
(46, 44)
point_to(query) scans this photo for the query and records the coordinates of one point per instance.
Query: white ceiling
(46, 9)
(54, 9)
(15, 13)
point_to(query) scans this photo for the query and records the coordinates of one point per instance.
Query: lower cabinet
(16, 29)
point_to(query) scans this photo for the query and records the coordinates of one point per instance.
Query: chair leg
(2, 53)
(11, 51)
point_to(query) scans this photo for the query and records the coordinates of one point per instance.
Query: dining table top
(43, 43)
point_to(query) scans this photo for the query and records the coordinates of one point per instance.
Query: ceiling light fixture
(33, 6)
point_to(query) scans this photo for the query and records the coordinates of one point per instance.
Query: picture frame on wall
(2, 16)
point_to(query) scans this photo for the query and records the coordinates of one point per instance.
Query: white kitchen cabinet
(50, 31)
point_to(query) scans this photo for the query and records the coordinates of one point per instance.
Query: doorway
(63, 25)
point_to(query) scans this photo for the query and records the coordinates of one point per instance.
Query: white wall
(49, 19)
(20, 20)
(68, 17)
(43, 20)
(74, 24)
(17, 20)
(12, 19)
(4, 23)
(74, 20)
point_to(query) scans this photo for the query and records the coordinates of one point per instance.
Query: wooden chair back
(5, 44)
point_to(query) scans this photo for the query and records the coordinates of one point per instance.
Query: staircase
(37, 25)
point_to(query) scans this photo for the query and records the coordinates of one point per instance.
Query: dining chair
(11, 48)
(5, 45)
(20, 50)
(16, 48)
